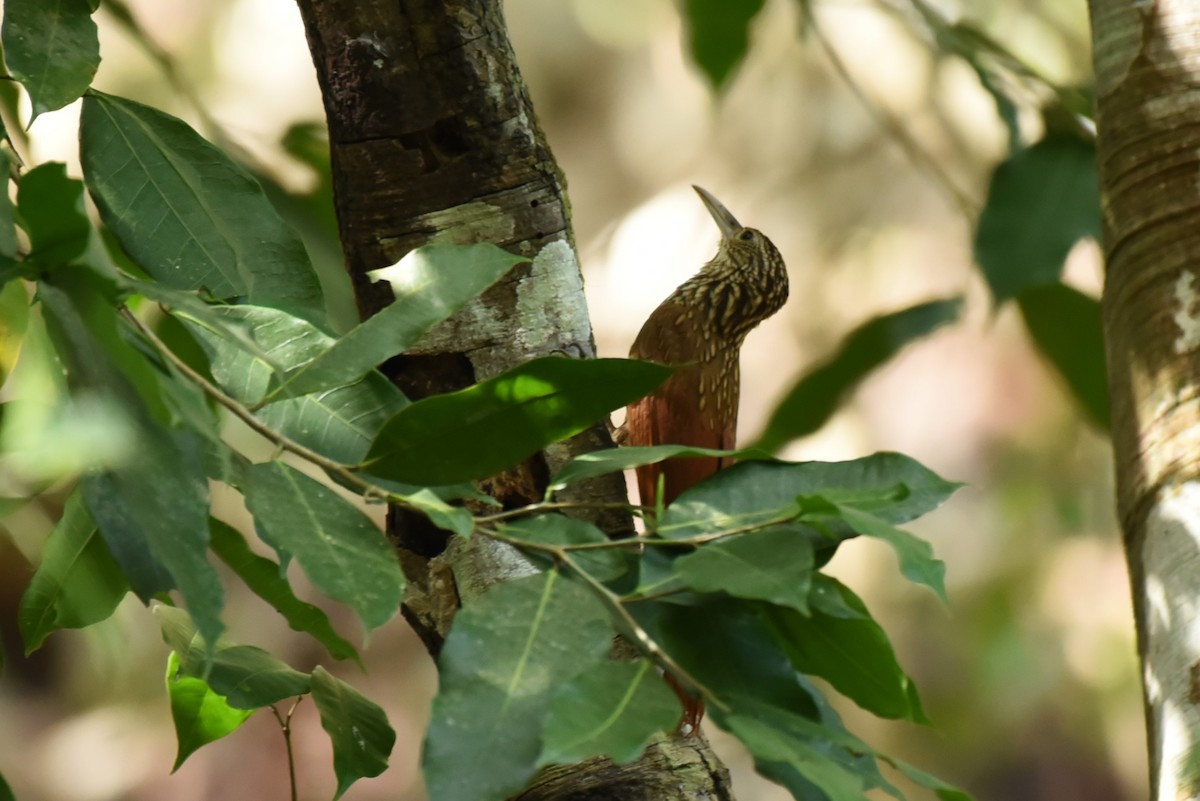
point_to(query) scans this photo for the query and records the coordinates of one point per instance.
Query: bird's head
(747, 258)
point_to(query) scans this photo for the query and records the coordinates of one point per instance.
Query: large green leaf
(508, 652)
(775, 565)
(200, 715)
(718, 34)
(357, 727)
(6, 793)
(611, 709)
(431, 283)
(77, 584)
(339, 423)
(816, 396)
(159, 503)
(1040, 203)
(891, 486)
(729, 647)
(50, 209)
(246, 676)
(52, 48)
(266, 580)
(1065, 324)
(479, 431)
(852, 654)
(917, 562)
(186, 213)
(341, 550)
(8, 228)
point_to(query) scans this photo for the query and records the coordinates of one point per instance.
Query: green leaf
(943, 790)
(613, 460)
(718, 34)
(729, 647)
(6, 793)
(362, 739)
(157, 506)
(431, 283)
(479, 431)
(246, 676)
(817, 395)
(50, 209)
(852, 654)
(508, 652)
(612, 709)
(339, 424)
(769, 744)
(8, 228)
(552, 529)
(14, 321)
(266, 580)
(341, 550)
(775, 565)
(890, 486)
(917, 562)
(52, 48)
(1066, 327)
(1040, 203)
(186, 213)
(454, 519)
(77, 584)
(201, 716)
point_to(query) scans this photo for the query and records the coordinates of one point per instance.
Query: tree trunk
(1147, 56)
(433, 138)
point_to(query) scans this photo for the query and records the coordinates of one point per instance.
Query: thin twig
(552, 506)
(285, 726)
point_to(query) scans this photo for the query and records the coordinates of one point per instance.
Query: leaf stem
(285, 726)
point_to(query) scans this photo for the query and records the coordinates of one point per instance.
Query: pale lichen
(1187, 313)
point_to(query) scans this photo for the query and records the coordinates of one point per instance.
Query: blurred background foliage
(865, 151)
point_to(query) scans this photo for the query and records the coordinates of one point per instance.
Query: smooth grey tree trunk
(1147, 60)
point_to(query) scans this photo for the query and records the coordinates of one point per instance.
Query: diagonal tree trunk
(1147, 60)
(433, 138)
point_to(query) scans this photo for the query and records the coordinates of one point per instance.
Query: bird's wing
(672, 414)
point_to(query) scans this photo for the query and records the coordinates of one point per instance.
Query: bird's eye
(746, 236)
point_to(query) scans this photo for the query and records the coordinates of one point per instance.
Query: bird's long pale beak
(721, 216)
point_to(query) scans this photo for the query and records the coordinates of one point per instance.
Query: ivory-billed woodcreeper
(701, 326)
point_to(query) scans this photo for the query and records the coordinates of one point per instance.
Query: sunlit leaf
(718, 34)
(1041, 201)
(508, 652)
(479, 431)
(77, 584)
(52, 48)
(265, 579)
(188, 214)
(817, 395)
(431, 283)
(246, 676)
(200, 715)
(1065, 325)
(611, 709)
(339, 423)
(775, 565)
(341, 550)
(358, 728)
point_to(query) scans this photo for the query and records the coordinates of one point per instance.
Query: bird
(700, 328)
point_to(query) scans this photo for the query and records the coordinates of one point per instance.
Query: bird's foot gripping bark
(693, 708)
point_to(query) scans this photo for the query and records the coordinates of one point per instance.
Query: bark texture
(1147, 62)
(433, 139)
